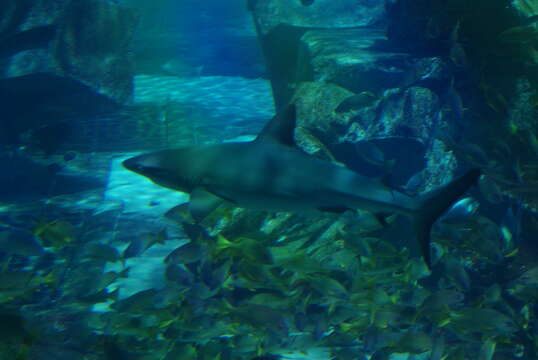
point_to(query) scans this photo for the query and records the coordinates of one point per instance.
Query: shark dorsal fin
(281, 127)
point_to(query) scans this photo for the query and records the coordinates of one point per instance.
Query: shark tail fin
(434, 203)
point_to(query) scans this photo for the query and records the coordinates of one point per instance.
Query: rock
(441, 165)
(392, 123)
(61, 60)
(411, 114)
(38, 37)
(87, 41)
(432, 72)
(93, 46)
(356, 82)
(41, 107)
(24, 179)
(352, 59)
(421, 107)
(319, 14)
(281, 24)
(316, 104)
(400, 124)
(29, 14)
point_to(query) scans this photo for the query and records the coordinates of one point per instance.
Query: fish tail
(434, 203)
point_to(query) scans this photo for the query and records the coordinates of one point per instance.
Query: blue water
(89, 260)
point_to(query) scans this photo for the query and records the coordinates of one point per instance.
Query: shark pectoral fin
(202, 202)
(179, 213)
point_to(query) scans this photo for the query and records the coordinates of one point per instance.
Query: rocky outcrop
(354, 84)
(60, 60)
(87, 41)
(316, 14)
(353, 58)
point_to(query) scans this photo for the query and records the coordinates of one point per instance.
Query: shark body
(270, 173)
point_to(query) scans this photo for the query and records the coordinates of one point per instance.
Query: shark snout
(148, 165)
(141, 164)
(134, 164)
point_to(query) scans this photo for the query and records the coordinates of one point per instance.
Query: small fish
(456, 271)
(141, 243)
(529, 277)
(10, 280)
(100, 296)
(380, 354)
(182, 351)
(487, 350)
(533, 100)
(461, 210)
(112, 351)
(326, 286)
(475, 154)
(413, 184)
(414, 342)
(96, 284)
(214, 274)
(527, 7)
(180, 214)
(136, 303)
(519, 34)
(57, 233)
(442, 299)
(186, 254)
(457, 52)
(527, 315)
(167, 296)
(455, 102)
(356, 102)
(348, 354)
(261, 316)
(250, 249)
(485, 321)
(490, 190)
(179, 274)
(383, 318)
(102, 252)
(492, 295)
(19, 242)
(14, 330)
(532, 140)
(517, 172)
(438, 347)
(196, 233)
(371, 153)
(135, 248)
(511, 228)
(361, 245)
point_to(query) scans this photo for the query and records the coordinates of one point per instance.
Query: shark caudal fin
(434, 203)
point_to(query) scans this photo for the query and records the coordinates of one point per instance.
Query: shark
(272, 173)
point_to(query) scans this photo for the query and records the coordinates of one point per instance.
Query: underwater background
(97, 262)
